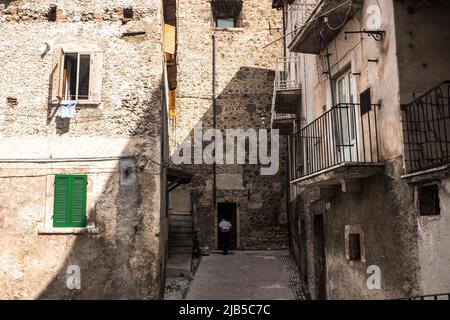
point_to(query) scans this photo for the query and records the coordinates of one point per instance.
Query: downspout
(284, 31)
(329, 77)
(163, 176)
(288, 193)
(214, 116)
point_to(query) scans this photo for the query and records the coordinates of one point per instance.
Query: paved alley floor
(245, 275)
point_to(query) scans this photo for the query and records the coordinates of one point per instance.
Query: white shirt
(225, 225)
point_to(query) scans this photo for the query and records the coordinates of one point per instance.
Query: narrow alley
(241, 275)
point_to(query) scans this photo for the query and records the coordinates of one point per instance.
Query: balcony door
(345, 119)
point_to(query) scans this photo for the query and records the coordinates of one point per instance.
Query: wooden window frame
(95, 73)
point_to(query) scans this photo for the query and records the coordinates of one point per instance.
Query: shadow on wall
(244, 103)
(5, 2)
(121, 262)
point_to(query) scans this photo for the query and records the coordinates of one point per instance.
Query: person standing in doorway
(225, 231)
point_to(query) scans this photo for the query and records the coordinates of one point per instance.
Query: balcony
(287, 95)
(426, 132)
(308, 39)
(283, 122)
(339, 147)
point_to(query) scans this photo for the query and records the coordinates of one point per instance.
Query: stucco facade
(115, 140)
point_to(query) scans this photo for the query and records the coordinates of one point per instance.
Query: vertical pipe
(329, 76)
(284, 30)
(356, 133)
(370, 136)
(347, 114)
(214, 117)
(376, 131)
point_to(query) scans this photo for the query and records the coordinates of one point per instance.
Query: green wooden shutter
(78, 203)
(61, 201)
(70, 201)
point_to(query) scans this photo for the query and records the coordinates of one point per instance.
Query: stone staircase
(180, 245)
(180, 234)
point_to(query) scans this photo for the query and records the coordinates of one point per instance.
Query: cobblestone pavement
(176, 288)
(298, 287)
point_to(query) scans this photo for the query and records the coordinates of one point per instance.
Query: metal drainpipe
(214, 115)
(284, 31)
(288, 194)
(329, 76)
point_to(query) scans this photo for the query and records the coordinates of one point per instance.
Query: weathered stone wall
(124, 259)
(244, 88)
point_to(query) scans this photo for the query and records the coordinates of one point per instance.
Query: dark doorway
(228, 211)
(320, 264)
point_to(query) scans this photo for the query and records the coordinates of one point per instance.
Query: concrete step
(180, 217)
(181, 236)
(173, 251)
(180, 243)
(180, 224)
(178, 229)
(180, 246)
(179, 265)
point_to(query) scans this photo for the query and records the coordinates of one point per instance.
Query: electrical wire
(343, 22)
(308, 23)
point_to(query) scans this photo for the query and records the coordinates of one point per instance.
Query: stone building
(363, 92)
(82, 123)
(225, 81)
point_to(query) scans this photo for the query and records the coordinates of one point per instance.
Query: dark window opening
(226, 13)
(354, 242)
(366, 101)
(128, 13)
(52, 13)
(76, 74)
(429, 200)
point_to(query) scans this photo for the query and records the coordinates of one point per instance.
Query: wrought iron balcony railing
(287, 76)
(426, 129)
(346, 134)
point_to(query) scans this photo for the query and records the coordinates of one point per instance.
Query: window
(355, 246)
(75, 80)
(429, 200)
(77, 76)
(69, 208)
(345, 122)
(226, 22)
(226, 13)
(52, 13)
(366, 101)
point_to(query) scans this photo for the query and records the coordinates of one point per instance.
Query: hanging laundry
(67, 109)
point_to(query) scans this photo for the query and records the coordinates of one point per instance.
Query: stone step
(179, 265)
(180, 224)
(180, 229)
(180, 242)
(180, 217)
(180, 250)
(181, 235)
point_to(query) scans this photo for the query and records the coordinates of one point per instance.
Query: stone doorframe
(241, 208)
